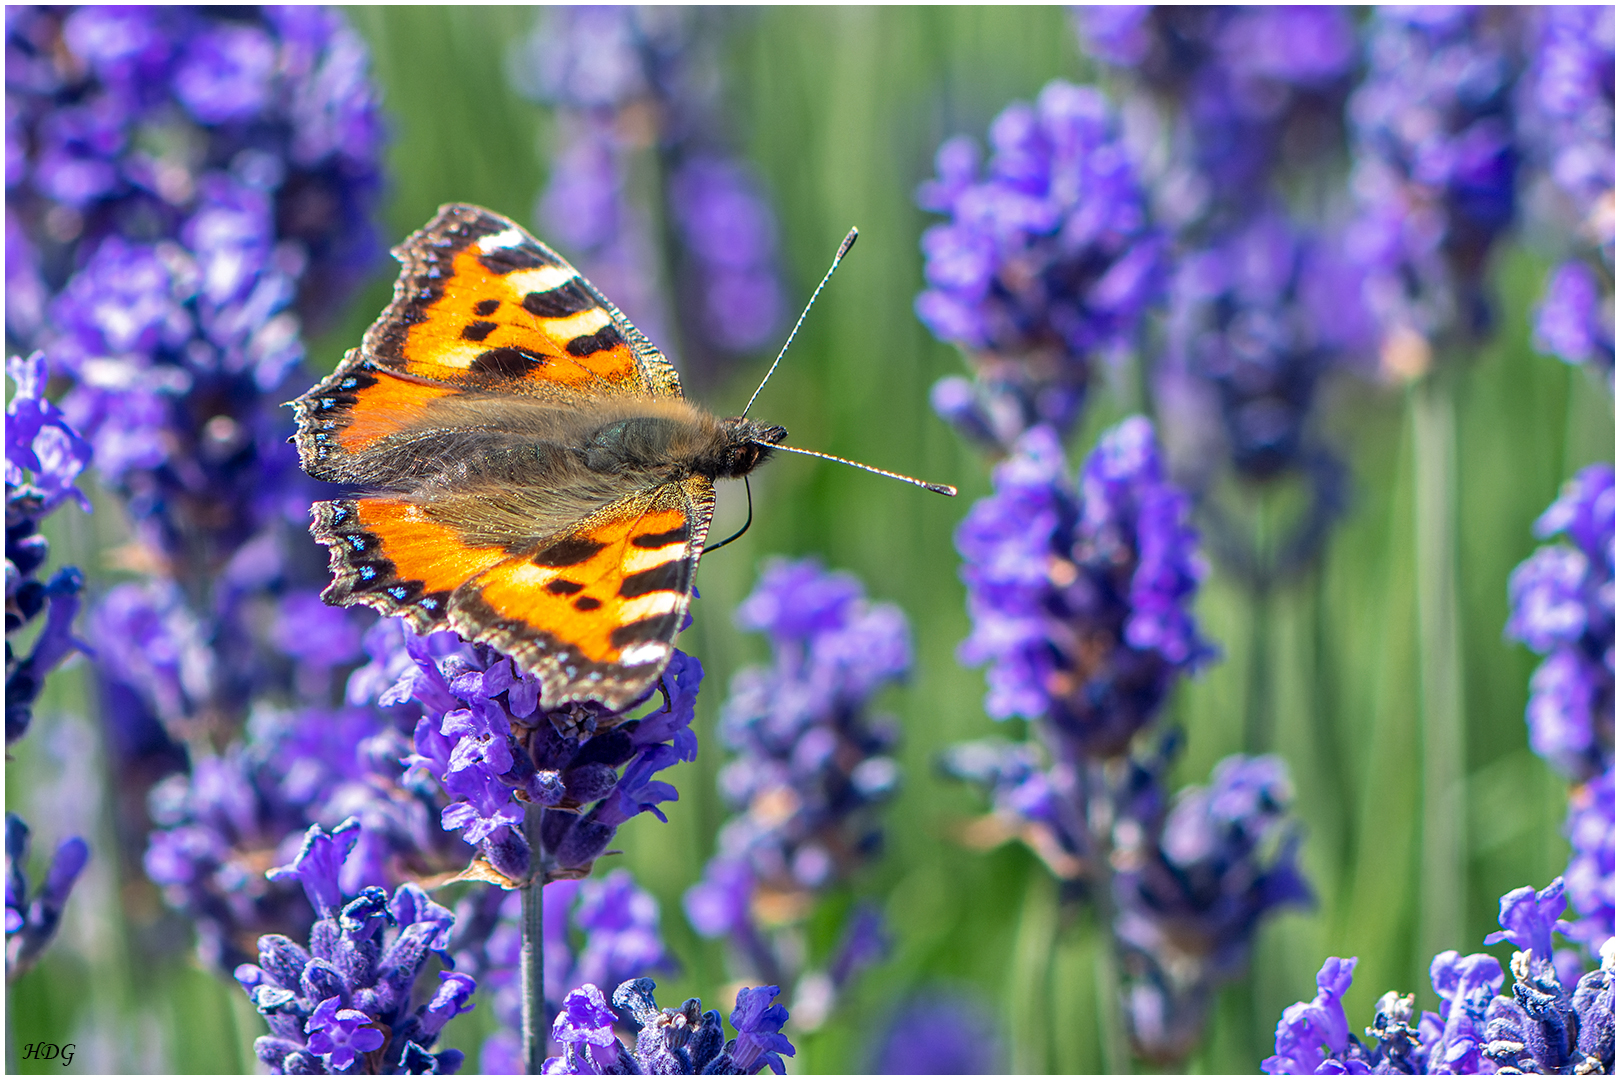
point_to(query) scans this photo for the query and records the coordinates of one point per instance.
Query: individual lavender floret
(214, 826)
(810, 764)
(1544, 1027)
(1047, 262)
(1562, 602)
(485, 740)
(1080, 593)
(679, 1042)
(1190, 891)
(352, 993)
(44, 456)
(31, 921)
(937, 1034)
(1435, 172)
(600, 931)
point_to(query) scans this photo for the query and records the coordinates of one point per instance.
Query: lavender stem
(1440, 921)
(532, 969)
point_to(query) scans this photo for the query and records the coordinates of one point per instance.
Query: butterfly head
(745, 445)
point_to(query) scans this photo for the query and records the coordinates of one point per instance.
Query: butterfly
(532, 476)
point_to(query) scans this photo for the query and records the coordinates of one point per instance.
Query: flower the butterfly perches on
(485, 738)
(671, 1042)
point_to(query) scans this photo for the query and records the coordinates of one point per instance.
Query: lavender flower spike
(351, 993)
(678, 1042)
(1046, 263)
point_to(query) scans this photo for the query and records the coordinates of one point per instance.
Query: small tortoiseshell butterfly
(533, 477)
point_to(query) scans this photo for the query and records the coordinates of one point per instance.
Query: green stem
(1443, 873)
(532, 965)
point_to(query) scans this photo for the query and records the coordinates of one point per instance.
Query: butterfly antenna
(843, 249)
(943, 489)
(739, 532)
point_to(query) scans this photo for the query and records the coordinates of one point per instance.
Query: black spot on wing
(665, 577)
(569, 551)
(562, 587)
(654, 628)
(569, 298)
(587, 603)
(663, 539)
(486, 307)
(477, 331)
(523, 257)
(605, 338)
(506, 362)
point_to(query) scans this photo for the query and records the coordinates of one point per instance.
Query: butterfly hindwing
(593, 611)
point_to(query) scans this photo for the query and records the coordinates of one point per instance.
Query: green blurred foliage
(841, 109)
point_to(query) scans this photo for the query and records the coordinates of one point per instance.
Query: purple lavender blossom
(1191, 892)
(627, 80)
(32, 920)
(1079, 593)
(935, 1034)
(44, 456)
(215, 826)
(1575, 319)
(1567, 112)
(1046, 263)
(1435, 171)
(1590, 874)
(1252, 93)
(1562, 602)
(352, 992)
(810, 766)
(1544, 1027)
(681, 1042)
(483, 739)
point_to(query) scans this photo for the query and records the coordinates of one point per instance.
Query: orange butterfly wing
(487, 322)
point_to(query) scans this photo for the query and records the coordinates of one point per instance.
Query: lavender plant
(810, 768)
(1046, 264)
(44, 457)
(637, 93)
(678, 1042)
(350, 998)
(1562, 600)
(1080, 595)
(186, 190)
(1546, 1026)
(1435, 173)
